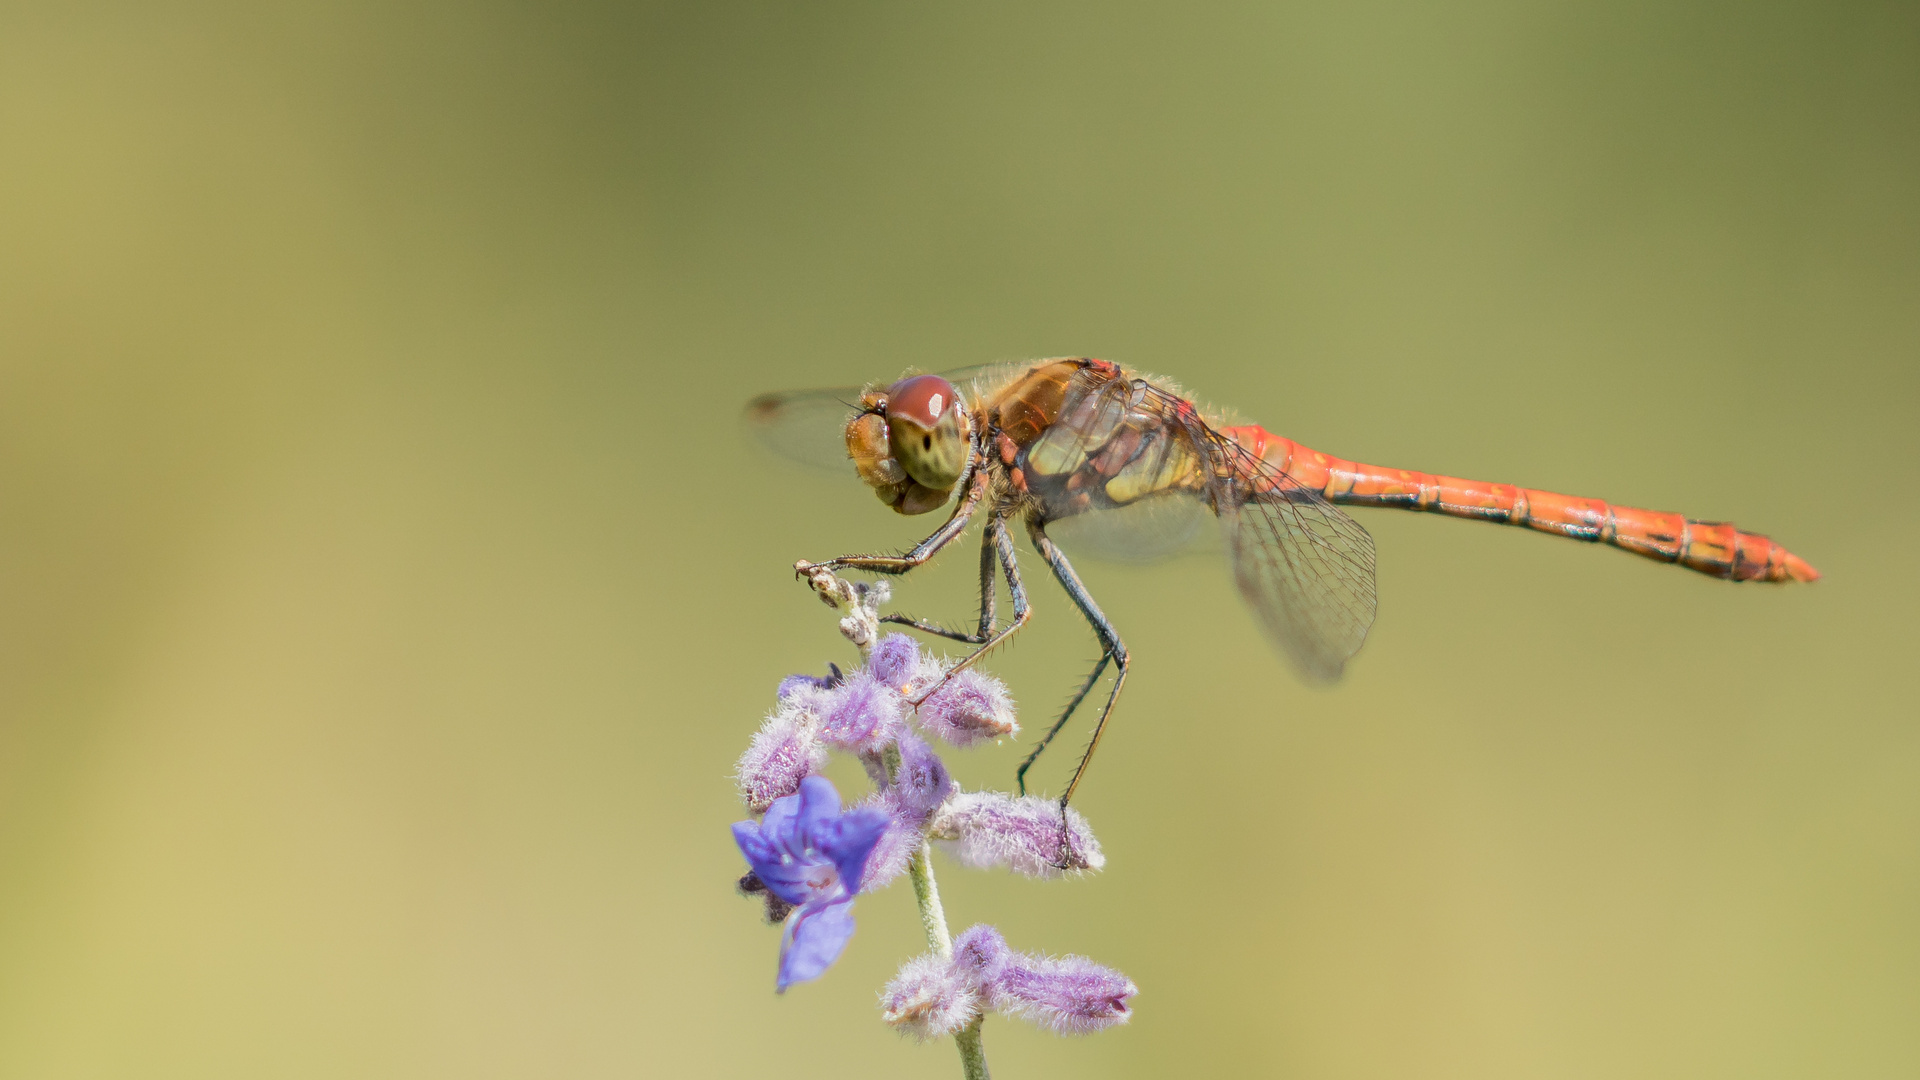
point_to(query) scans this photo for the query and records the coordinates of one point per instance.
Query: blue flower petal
(819, 803)
(784, 877)
(849, 840)
(788, 881)
(814, 939)
(780, 826)
(754, 845)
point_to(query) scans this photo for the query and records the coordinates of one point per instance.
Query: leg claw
(831, 588)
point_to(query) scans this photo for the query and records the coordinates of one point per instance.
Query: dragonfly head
(910, 442)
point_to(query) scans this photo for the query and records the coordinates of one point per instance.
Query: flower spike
(808, 858)
(1068, 995)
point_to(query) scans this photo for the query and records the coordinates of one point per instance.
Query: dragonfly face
(910, 442)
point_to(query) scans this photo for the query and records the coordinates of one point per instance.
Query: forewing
(1305, 567)
(807, 426)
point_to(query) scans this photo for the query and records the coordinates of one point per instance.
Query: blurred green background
(386, 589)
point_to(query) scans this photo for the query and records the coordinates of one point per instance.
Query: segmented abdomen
(1711, 547)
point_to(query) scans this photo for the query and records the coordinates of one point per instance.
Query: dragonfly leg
(1002, 543)
(989, 559)
(977, 485)
(1114, 649)
(989, 562)
(935, 629)
(1020, 775)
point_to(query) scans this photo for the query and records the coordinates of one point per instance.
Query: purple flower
(792, 683)
(970, 707)
(1070, 995)
(982, 954)
(985, 829)
(784, 752)
(895, 661)
(930, 997)
(921, 785)
(809, 854)
(861, 715)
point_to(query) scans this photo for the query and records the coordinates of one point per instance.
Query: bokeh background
(386, 588)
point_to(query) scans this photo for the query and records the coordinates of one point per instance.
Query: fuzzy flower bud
(895, 661)
(1069, 995)
(784, 752)
(982, 954)
(1026, 834)
(929, 999)
(971, 707)
(794, 684)
(921, 785)
(860, 715)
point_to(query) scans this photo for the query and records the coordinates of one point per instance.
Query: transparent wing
(807, 426)
(1304, 567)
(1124, 457)
(1156, 527)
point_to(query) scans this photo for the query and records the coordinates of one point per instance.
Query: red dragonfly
(1066, 440)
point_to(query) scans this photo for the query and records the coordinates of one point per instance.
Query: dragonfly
(1049, 444)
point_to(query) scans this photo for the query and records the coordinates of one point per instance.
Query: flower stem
(862, 628)
(973, 1056)
(933, 918)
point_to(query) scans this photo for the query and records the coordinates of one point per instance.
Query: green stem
(973, 1056)
(933, 919)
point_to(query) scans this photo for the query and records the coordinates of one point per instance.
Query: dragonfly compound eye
(873, 457)
(927, 430)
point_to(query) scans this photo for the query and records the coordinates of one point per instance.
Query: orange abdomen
(1710, 547)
